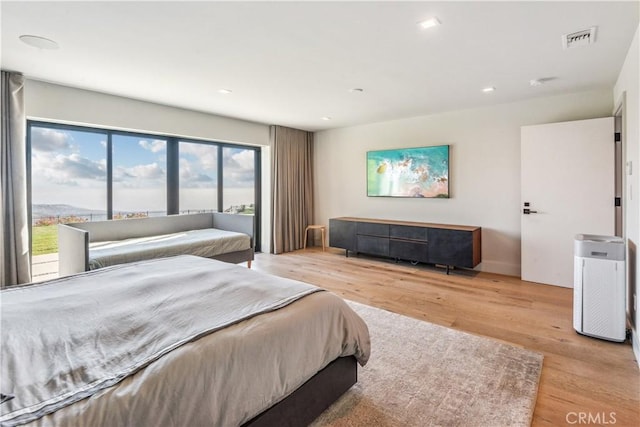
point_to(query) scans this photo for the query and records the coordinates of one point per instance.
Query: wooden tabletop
(410, 223)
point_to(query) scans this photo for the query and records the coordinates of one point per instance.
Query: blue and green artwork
(409, 172)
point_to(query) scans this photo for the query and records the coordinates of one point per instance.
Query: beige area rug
(421, 374)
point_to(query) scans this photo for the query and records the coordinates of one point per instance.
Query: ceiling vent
(579, 38)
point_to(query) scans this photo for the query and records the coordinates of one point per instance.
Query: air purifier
(599, 287)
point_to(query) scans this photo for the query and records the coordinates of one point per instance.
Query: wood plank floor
(581, 377)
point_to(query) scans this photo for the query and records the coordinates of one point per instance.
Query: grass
(45, 239)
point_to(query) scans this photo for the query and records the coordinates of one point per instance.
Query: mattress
(221, 378)
(207, 243)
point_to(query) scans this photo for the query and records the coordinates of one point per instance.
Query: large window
(87, 174)
(198, 177)
(239, 180)
(69, 173)
(68, 181)
(139, 176)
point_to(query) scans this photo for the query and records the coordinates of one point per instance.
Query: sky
(70, 167)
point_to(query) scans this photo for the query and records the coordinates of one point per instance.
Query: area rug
(421, 374)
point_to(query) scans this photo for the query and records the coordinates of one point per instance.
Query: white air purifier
(599, 287)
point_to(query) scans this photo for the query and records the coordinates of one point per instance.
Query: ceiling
(293, 63)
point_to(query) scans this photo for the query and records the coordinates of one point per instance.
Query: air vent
(579, 38)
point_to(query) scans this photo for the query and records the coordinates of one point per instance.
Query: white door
(568, 182)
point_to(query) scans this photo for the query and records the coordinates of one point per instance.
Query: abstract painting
(409, 172)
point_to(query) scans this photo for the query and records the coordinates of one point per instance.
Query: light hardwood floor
(581, 377)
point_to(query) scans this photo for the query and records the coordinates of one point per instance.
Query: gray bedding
(206, 243)
(103, 347)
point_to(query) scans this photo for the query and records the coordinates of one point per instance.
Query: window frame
(172, 167)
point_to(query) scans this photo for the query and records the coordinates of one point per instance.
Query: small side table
(322, 228)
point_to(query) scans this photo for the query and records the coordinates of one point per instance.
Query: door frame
(621, 168)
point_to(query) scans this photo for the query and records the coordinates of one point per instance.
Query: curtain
(292, 187)
(16, 262)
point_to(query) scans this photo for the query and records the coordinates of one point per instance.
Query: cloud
(76, 166)
(151, 171)
(239, 170)
(193, 178)
(205, 154)
(154, 146)
(243, 159)
(69, 170)
(50, 140)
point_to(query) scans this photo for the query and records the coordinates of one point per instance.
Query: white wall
(484, 168)
(76, 106)
(627, 93)
(50, 102)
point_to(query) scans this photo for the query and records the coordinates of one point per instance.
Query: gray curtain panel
(16, 261)
(292, 187)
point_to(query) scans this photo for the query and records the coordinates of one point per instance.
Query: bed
(91, 245)
(175, 341)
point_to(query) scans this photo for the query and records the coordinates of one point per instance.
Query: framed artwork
(409, 172)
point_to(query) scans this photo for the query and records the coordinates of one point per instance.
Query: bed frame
(74, 238)
(305, 404)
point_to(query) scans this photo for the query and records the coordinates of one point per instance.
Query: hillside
(45, 210)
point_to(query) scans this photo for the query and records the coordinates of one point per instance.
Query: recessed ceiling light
(325, 118)
(428, 23)
(489, 89)
(356, 90)
(225, 91)
(39, 42)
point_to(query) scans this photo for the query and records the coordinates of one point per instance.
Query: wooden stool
(322, 228)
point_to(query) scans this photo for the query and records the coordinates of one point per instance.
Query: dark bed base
(305, 404)
(236, 257)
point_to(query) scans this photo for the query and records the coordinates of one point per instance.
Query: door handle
(528, 211)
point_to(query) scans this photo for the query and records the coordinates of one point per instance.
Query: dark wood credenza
(448, 245)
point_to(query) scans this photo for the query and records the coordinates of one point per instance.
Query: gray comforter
(70, 338)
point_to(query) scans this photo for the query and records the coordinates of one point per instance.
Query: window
(139, 176)
(87, 174)
(239, 180)
(198, 172)
(68, 181)
(69, 171)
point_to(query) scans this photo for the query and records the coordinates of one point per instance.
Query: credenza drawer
(372, 229)
(342, 234)
(408, 232)
(373, 245)
(454, 247)
(409, 251)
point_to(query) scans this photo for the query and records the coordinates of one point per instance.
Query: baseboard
(499, 268)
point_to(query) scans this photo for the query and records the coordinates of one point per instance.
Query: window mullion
(109, 176)
(173, 176)
(220, 179)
